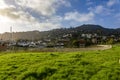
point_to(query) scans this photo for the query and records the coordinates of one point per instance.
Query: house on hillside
(22, 43)
(86, 36)
(32, 44)
(59, 45)
(63, 42)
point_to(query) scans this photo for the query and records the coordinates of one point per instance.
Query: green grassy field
(89, 65)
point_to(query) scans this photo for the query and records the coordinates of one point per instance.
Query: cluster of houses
(98, 39)
(87, 39)
(65, 41)
(46, 43)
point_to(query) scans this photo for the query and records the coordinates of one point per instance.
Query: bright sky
(27, 15)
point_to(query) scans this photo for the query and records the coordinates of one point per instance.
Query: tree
(110, 41)
(75, 43)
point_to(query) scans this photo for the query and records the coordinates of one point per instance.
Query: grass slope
(90, 65)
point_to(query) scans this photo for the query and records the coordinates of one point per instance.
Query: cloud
(9, 12)
(117, 16)
(25, 25)
(43, 7)
(63, 2)
(21, 14)
(54, 19)
(2, 4)
(100, 9)
(79, 17)
(112, 2)
(88, 2)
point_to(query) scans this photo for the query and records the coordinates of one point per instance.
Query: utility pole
(11, 35)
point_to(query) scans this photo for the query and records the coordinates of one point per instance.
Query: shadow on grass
(40, 74)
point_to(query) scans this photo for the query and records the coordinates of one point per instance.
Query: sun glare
(4, 26)
(2, 4)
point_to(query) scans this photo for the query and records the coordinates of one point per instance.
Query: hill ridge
(56, 33)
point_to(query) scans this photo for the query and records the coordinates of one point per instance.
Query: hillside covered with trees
(58, 33)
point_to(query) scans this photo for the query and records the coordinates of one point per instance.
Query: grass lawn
(85, 65)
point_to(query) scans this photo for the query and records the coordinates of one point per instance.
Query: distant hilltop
(58, 33)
